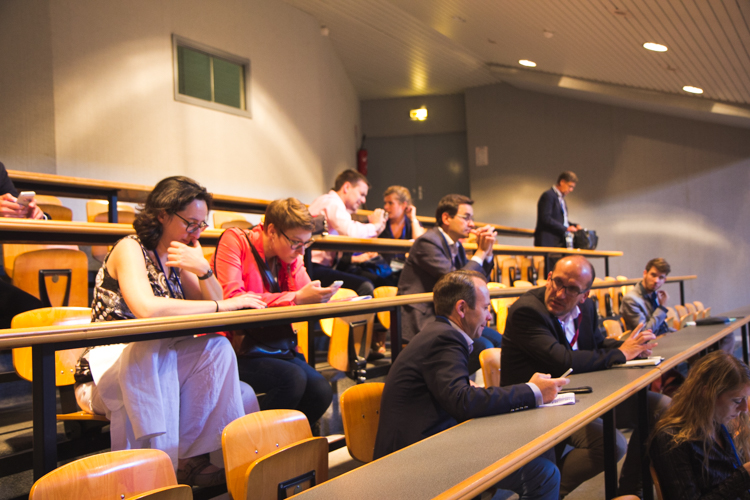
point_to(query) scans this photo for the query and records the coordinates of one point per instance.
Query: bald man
(555, 328)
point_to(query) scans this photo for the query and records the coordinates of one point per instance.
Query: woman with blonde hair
(700, 447)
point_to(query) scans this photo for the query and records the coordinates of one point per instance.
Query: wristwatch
(207, 275)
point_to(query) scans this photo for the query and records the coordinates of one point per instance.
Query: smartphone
(337, 284)
(25, 198)
(577, 390)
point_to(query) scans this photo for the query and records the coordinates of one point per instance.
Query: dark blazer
(534, 341)
(429, 259)
(550, 230)
(427, 390)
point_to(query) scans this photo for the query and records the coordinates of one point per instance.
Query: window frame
(179, 41)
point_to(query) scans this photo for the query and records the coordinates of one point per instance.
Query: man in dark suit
(437, 252)
(552, 222)
(428, 390)
(555, 328)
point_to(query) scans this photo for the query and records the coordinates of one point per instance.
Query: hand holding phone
(25, 198)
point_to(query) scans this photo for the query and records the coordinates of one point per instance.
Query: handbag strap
(265, 273)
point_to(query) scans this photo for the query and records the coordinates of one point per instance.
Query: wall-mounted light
(418, 114)
(527, 63)
(655, 47)
(692, 90)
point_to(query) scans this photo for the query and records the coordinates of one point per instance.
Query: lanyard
(577, 323)
(167, 278)
(731, 443)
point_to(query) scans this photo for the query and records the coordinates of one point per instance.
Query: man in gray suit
(646, 303)
(436, 253)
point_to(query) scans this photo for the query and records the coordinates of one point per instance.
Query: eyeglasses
(466, 217)
(192, 227)
(296, 245)
(569, 290)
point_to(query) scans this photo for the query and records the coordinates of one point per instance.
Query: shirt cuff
(478, 260)
(537, 394)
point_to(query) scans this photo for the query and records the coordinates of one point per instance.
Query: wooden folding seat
(489, 359)
(126, 474)
(52, 206)
(272, 454)
(522, 284)
(597, 295)
(56, 276)
(98, 211)
(612, 303)
(225, 220)
(382, 292)
(681, 311)
(65, 361)
(500, 307)
(613, 328)
(360, 412)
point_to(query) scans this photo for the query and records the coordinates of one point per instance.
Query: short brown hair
(452, 287)
(288, 214)
(351, 176)
(449, 204)
(660, 264)
(402, 193)
(567, 176)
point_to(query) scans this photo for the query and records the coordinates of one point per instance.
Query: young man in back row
(348, 194)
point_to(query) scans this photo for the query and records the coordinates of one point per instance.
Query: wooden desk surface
(78, 187)
(465, 460)
(87, 233)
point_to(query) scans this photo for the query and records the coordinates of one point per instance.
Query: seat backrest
(360, 412)
(256, 435)
(381, 292)
(301, 329)
(613, 327)
(698, 305)
(500, 307)
(114, 474)
(680, 310)
(489, 359)
(225, 220)
(522, 284)
(98, 211)
(351, 339)
(53, 274)
(343, 293)
(690, 308)
(65, 361)
(13, 250)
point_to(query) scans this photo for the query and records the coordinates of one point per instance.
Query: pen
(568, 372)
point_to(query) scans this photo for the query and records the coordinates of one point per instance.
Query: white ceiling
(395, 48)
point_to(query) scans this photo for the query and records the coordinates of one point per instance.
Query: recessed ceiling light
(527, 63)
(692, 90)
(656, 47)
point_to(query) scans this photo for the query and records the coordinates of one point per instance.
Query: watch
(207, 275)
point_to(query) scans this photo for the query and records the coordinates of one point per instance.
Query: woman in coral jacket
(269, 260)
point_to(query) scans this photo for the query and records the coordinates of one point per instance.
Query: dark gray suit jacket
(429, 259)
(534, 341)
(427, 390)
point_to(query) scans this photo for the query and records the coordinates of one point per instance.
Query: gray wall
(651, 185)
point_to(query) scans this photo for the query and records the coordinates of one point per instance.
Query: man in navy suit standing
(552, 222)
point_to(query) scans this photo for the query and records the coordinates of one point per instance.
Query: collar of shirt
(569, 326)
(453, 245)
(558, 193)
(651, 296)
(469, 340)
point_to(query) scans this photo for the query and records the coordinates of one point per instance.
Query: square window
(210, 77)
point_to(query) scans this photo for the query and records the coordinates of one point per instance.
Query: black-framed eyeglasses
(569, 290)
(192, 227)
(296, 245)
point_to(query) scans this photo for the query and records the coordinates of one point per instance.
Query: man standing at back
(348, 194)
(552, 222)
(428, 391)
(646, 303)
(436, 253)
(554, 328)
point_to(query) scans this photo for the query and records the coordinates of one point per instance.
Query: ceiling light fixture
(655, 47)
(527, 63)
(692, 90)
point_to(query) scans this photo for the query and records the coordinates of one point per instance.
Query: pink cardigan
(238, 273)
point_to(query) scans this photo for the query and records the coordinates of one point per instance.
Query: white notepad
(651, 361)
(562, 399)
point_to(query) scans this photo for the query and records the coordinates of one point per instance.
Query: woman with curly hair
(174, 394)
(700, 447)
